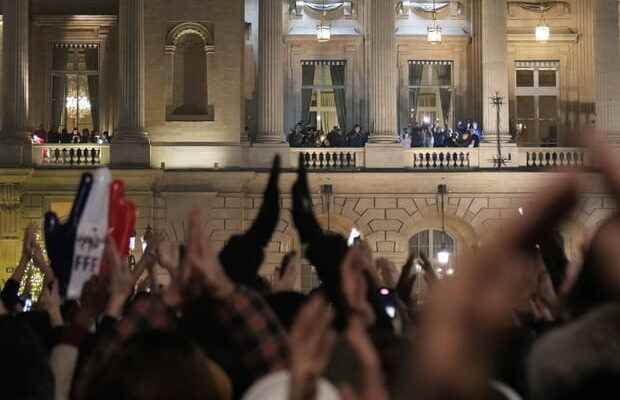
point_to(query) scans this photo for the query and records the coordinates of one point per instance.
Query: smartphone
(388, 301)
(27, 305)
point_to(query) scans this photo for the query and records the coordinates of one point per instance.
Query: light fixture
(543, 32)
(434, 34)
(72, 103)
(443, 255)
(323, 29)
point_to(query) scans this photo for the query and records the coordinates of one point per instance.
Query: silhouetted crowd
(310, 136)
(41, 136)
(465, 134)
(517, 319)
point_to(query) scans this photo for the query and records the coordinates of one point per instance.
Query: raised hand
(60, 238)
(243, 255)
(406, 280)
(121, 279)
(372, 375)
(311, 342)
(464, 316)
(287, 273)
(50, 301)
(202, 261)
(303, 214)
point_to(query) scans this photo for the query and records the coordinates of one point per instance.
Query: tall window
(537, 97)
(431, 92)
(75, 86)
(323, 94)
(431, 242)
(190, 80)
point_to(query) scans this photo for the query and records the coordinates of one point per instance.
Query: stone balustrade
(442, 158)
(332, 158)
(71, 155)
(552, 157)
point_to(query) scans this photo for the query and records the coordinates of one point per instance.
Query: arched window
(431, 243)
(190, 57)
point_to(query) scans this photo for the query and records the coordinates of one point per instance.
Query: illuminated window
(431, 92)
(431, 243)
(75, 86)
(323, 94)
(537, 94)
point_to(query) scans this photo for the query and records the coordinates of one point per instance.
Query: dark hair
(154, 366)
(27, 375)
(286, 305)
(578, 361)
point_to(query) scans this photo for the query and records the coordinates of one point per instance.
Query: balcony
(330, 158)
(61, 155)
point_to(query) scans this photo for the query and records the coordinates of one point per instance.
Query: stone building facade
(199, 96)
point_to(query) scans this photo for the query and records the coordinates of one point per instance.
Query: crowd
(466, 134)
(309, 136)
(41, 136)
(517, 320)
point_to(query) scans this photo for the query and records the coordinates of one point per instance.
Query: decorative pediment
(297, 7)
(426, 8)
(184, 28)
(558, 8)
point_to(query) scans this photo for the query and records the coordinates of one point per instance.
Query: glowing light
(443, 257)
(450, 271)
(543, 32)
(434, 34)
(521, 212)
(352, 236)
(426, 119)
(390, 311)
(82, 102)
(384, 291)
(323, 32)
(132, 243)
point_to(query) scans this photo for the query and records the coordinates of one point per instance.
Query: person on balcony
(75, 136)
(356, 137)
(85, 136)
(53, 136)
(440, 137)
(39, 136)
(336, 138)
(65, 136)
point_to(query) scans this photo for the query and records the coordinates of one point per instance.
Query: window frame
(537, 92)
(55, 73)
(411, 112)
(319, 89)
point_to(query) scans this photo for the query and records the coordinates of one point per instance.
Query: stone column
(130, 143)
(494, 68)
(381, 70)
(270, 73)
(103, 82)
(607, 64)
(16, 47)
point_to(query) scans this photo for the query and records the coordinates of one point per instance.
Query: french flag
(76, 247)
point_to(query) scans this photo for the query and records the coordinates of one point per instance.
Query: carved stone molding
(425, 8)
(316, 7)
(9, 196)
(560, 7)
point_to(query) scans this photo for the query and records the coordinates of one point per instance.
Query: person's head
(357, 129)
(475, 125)
(64, 130)
(156, 366)
(598, 282)
(286, 305)
(27, 374)
(578, 361)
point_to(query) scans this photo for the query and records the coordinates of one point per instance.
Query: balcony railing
(552, 157)
(333, 158)
(60, 155)
(442, 158)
